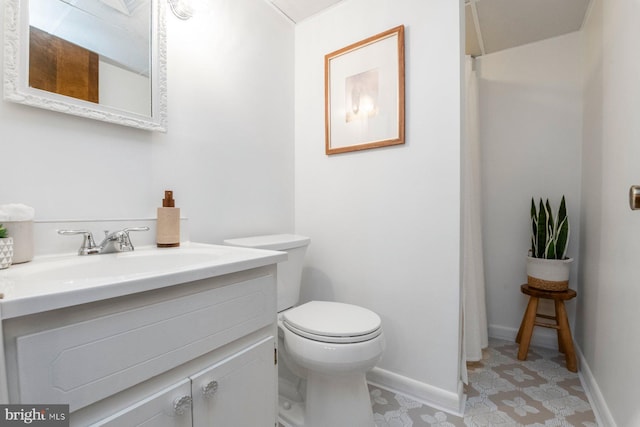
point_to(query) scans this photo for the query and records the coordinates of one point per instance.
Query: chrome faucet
(117, 241)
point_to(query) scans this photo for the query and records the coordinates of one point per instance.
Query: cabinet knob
(182, 405)
(209, 389)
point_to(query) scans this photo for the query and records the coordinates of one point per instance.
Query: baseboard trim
(452, 403)
(591, 389)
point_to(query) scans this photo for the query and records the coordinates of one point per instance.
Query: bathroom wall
(607, 326)
(384, 223)
(228, 153)
(530, 136)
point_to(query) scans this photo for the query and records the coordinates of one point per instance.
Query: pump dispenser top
(168, 225)
(168, 201)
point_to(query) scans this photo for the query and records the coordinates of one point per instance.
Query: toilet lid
(332, 322)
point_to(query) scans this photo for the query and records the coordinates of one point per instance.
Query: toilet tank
(289, 271)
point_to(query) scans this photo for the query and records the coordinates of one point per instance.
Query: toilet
(325, 348)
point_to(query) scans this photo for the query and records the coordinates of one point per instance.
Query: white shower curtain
(475, 334)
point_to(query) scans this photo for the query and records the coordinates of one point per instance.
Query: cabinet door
(238, 391)
(170, 407)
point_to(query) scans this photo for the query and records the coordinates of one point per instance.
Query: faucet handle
(126, 230)
(88, 244)
(124, 241)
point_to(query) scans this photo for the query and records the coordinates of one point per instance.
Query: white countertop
(56, 281)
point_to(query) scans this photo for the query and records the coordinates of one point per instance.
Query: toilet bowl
(326, 348)
(336, 344)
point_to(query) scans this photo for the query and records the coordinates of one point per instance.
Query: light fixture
(181, 8)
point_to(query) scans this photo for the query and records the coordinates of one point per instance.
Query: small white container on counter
(22, 233)
(18, 220)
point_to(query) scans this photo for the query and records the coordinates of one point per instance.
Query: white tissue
(16, 212)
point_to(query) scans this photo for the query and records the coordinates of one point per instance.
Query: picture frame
(365, 94)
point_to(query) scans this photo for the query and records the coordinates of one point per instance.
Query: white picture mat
(383, 56)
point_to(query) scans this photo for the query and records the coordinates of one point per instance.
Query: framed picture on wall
(364, 94)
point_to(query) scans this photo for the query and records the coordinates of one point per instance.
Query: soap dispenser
(168, 225)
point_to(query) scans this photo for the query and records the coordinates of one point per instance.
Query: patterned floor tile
(502, 391)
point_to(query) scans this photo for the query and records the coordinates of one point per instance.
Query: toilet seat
(332, 322)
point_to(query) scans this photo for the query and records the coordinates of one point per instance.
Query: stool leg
(559, 336)
(527, 327)
(564, 333)
(519, 336)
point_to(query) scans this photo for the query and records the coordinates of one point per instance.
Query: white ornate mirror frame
(16, 66)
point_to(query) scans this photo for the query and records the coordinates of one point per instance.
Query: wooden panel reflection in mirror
(55, 65)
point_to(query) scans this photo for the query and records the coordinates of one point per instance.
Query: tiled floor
(503, 391)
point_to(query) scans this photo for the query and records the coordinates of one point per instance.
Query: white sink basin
(50, 282)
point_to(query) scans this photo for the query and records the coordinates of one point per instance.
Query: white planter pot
(548, 274)
(6, 252)
(22, 234)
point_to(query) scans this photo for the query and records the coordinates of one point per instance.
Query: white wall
(530, 137)
(384, 223)
(607, 322)
(228, 154)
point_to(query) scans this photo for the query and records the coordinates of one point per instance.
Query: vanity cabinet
(195, 354)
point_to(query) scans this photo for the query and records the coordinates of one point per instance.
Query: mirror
(100, 59)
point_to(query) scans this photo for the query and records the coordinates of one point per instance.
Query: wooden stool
(565, 342)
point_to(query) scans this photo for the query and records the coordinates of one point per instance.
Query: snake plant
(3, 232)
(549, 235)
